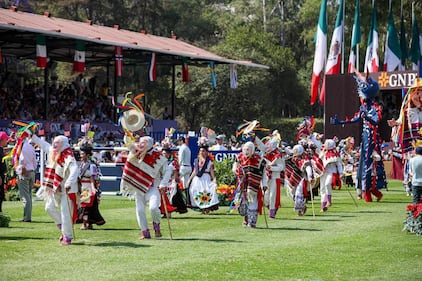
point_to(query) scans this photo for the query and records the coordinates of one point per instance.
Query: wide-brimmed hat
(133, 120)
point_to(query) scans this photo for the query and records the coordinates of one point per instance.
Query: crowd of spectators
(79, 100)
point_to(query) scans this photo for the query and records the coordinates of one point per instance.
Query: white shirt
(184, 155)
(28, 157)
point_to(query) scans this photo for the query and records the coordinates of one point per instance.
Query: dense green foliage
(363, 242)
(223, 172)
(279, 34)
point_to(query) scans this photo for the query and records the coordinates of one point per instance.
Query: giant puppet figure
(409, 125)
(371, 174)
(407, 129)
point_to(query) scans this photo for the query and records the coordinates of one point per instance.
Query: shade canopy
(18, 31)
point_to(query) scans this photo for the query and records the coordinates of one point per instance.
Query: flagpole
(357, 57)
(342, 36)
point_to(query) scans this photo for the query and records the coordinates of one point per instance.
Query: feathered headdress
(249, 128)
(21, 135)
(305, 128)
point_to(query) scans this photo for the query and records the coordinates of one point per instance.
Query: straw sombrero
(133, 120)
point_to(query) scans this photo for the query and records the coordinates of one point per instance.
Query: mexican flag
(415, 45)
(320, 51)
(41, 51)
(371, 57)
(392, 55)
(356, 36)
(334, 56)
(79, 59)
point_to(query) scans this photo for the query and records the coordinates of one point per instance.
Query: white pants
(184, 173)
(271, 194)
(154, 199)
(325, 186)
(60, 209)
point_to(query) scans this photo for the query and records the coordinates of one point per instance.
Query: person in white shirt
(26, 175)
(185, 168)
(219, 146)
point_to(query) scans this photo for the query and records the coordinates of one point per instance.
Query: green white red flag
(371, 56)
(333, 65)
(79, 59)
(320, 51)
(392, 55)
(41, 51)
(356, 37)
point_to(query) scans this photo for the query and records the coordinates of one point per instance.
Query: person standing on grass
(173, 195)
(333, 171)
(26, 175)
(90, 194)
(146, 173)
(275, 164)
(249, 169)
(60, 184)
(203, 183)
(4, 138)
(415, 171)
(185, 168)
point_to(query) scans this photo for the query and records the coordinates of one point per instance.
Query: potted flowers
(413, 222)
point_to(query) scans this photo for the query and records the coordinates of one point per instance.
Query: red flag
(185, 70)
(118, 56)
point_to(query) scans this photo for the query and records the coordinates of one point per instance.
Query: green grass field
(363, 242)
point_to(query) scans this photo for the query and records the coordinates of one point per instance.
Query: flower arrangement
(12, 191)
(413, 222)
(225, 194)
(226, 181)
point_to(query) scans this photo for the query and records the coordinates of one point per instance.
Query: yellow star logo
(383, 79)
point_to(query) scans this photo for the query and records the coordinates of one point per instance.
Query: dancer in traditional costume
(274, 169)
(299, 175)
(333, 171)
(252, 180)
(90, 193)
(173, 196)
(371, 173)
(203, 183)
(60, 185)
(145, 172)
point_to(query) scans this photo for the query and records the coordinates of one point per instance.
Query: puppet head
(416, 93)
(368, 88)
